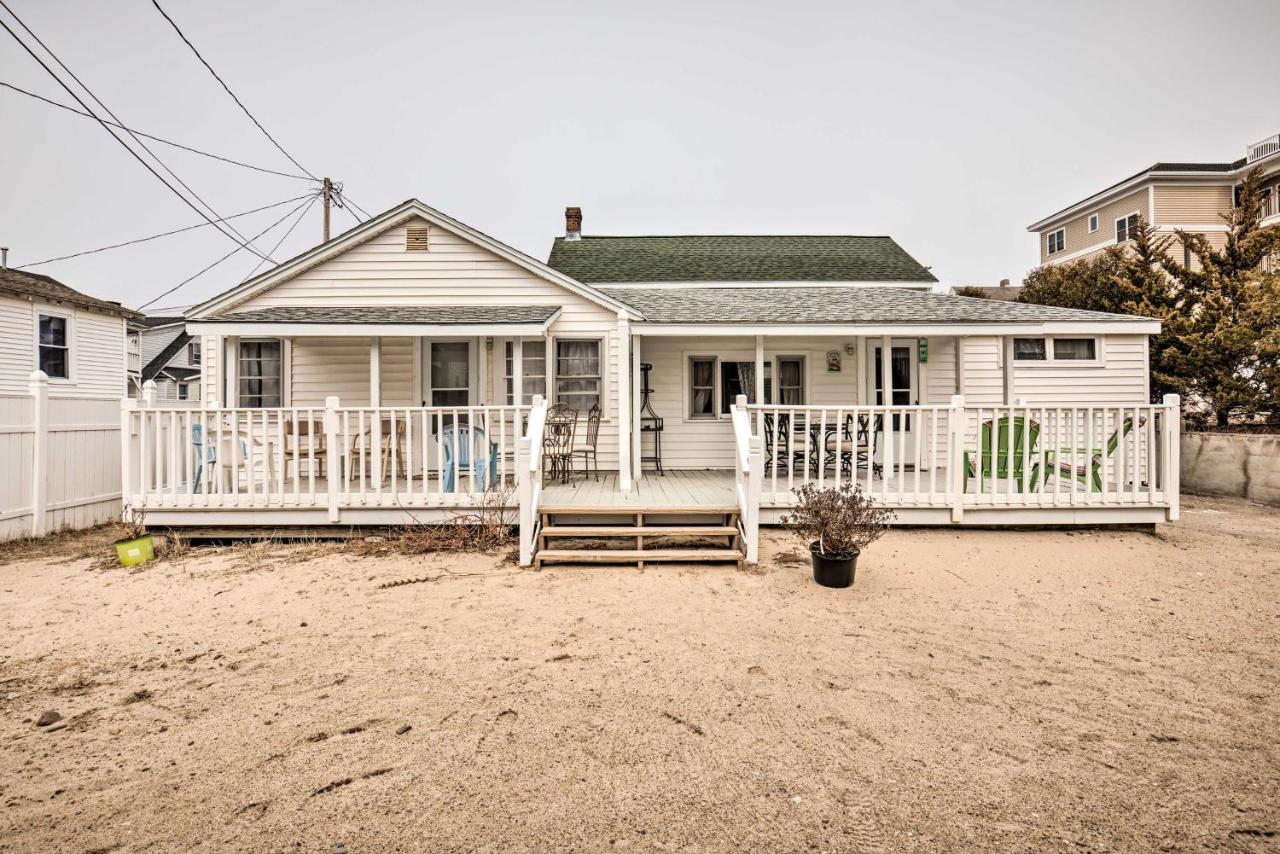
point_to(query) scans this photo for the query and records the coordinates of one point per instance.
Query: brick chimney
(573, 223)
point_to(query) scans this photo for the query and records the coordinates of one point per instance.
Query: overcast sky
(950, 126)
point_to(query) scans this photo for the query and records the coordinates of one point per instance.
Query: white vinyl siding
(97, 350)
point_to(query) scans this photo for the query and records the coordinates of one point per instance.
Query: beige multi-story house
(1171, 196)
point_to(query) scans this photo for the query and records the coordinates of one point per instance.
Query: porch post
(333, 462)
(886, 397)
(212, 367)
(1006, 344)
(1173, 456)
(624, 401)
(960, 368)
(517, 371)
(759, 391)
(230, 371)
(955, 456)
(375, 371)
(637, 469)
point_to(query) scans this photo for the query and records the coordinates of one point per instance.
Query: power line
(352, 202)
(220, 260)
(61, 106)
(241, 242)
(283, 237)
(182, 36)
(161, 234)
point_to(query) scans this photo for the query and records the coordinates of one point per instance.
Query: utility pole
(328, 199)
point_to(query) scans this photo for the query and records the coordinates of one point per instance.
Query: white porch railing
(329, 457)
(748, 473)
(962, 457)
(1264, 148)
(529, 485)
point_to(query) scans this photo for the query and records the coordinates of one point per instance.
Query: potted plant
(836, 525)
(136, 546)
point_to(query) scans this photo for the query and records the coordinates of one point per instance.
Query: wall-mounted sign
(922, 345)
(833, 361)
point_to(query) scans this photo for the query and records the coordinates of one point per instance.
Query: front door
(448, 373)
(904, 369)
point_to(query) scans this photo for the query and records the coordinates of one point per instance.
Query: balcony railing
(1264, 148)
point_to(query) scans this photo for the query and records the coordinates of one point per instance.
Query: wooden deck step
(638, 555)
(639, 530)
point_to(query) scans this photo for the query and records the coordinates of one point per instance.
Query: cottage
(170, 358)
(414, 365)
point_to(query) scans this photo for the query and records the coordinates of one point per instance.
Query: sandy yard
(1028, 691)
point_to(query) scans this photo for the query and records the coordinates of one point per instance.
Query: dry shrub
(484, 528)
(842, 521)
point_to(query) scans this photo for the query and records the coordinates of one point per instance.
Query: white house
(373, 380)
(170, 358)
(64, 363)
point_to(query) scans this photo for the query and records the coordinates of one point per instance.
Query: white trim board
(363, 330)
(1137, 326)
(608, 286)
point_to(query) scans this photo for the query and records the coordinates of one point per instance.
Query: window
(1057, 241)
(1029, 350)
(578, 373)
(791, 380)
(533, 370)
(740, 378)
(184, 391)
(193, 352)
(450, 373)
(55, 353)
(702, 387)
(1093, 223)
(1125, 226)
(1075, 349)
(260, 374)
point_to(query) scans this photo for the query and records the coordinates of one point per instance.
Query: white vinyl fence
(59, 461)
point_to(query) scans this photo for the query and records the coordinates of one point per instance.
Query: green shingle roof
(736, 258)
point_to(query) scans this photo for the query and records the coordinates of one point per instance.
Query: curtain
(703, 380)
(791, 382)
(747, 380)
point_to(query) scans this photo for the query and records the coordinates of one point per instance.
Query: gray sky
(950, 126)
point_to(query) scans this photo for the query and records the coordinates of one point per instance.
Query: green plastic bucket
(134, 551)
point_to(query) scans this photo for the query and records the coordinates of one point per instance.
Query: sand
(1043, 691)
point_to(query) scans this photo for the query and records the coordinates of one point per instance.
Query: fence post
(755, 484)
(149, 394)
(524, 501)
(128, 405)
(1173, 441)
(955, 456)
(332, 455)
(39, 386)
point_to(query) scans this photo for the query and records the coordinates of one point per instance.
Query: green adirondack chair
(1089, 471)
(995, 448)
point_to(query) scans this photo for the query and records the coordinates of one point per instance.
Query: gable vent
(417, 238)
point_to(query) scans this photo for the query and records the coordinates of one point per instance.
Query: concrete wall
(1232, 464)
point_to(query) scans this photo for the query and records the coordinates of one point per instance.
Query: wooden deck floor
(676, 490)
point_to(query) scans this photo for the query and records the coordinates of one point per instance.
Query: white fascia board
(1138, 326)
(379, 224)
(362, 330)
(785, 284)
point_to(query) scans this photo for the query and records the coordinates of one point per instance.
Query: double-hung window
(740, 378)
(1057, 241)
(54, 347)
(1125, 227)
(702, 387)
(1093, 223)
(193, 352)
(791, 380)
(578, 374)
(261, 372)
(533, 370)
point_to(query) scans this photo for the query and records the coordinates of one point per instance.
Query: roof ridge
(685, 236)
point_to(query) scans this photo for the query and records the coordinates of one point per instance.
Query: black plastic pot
(833, 570)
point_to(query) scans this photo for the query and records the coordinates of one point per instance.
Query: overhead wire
(283, 237)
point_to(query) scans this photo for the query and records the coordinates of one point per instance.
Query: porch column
(886, 397)
(637, 469)
(230, 371)
(517, 371)
(484, 360)
(375, 371)
(960, 366)
(1006, 345)
(624, 401)
(212, 369)
(759, 395)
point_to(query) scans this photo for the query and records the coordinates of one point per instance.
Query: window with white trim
(184, 391)
(1052, 349)
(1125, 226)
(533, 370)
(193, 352)
(791, 380)
(1093, 223)
(702, 387)
(578, 372)
(1057, 241)
(54, 346)
(261, 374)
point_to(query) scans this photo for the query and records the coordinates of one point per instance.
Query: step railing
(748, 473)
(529, 484)
(961, 456)
(331, 457)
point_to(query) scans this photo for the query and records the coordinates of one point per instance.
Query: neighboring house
(79, 341)
(349, 385)
(1186, 196)
(171, 358)
(1004, 291)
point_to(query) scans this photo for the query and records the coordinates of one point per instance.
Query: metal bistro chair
(557, 441)
(853, 447)
(588, 453)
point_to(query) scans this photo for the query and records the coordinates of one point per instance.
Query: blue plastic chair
(206, 455)
(469, 439)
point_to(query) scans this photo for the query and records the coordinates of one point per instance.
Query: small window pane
(702, 388)
(578, 373)
(1029, 349)
(533, 369)
(53, 330)
(53, 361)
(791, 380)
(1074, 349)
